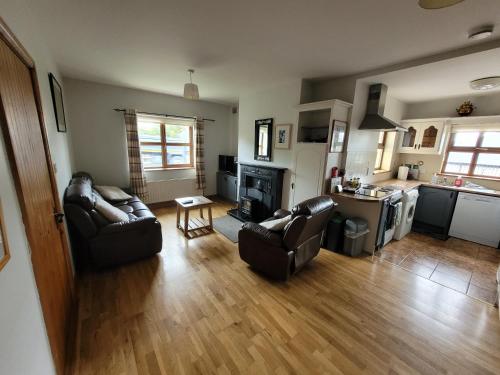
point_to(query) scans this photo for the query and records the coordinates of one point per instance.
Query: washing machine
(409, 201)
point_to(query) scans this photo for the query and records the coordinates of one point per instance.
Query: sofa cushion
(113, 214)
(142, 213)
(80, 193)
(83, 175)
(112, 193)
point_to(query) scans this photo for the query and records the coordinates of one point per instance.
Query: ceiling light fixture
(486, 83)
(437, 4)
(191, 89)
(482, 33)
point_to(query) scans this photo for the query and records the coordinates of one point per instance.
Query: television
(227, 163)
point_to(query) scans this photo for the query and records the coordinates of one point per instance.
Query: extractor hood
(374, 118)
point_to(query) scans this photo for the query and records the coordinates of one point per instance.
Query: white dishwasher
(477, 219)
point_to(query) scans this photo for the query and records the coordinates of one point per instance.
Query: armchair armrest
(281, 213)
(253, 231)
(124, 226)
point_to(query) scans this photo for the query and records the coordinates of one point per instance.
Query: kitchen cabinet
(434, 211)
(423, 137)
(477, 219)
(227, 186)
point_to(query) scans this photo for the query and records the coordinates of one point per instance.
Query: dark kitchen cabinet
(434, 211)
(227, 186)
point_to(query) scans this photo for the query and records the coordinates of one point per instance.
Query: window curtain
(200, 154)
(137, 178)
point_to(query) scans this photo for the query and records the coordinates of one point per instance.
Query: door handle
(59, 216)
(293, 185)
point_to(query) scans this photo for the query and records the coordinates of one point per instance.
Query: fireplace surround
(260, 192)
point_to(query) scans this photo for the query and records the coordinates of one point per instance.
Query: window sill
(166, 169)
(379, 171)
(467, 176)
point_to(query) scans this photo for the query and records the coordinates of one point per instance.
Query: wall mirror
(4, 248)
(263, 139)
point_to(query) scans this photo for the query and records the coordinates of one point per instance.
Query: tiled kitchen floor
(465, 266)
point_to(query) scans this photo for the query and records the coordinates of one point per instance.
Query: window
(474, 153)
(380, 150)
(166, 143)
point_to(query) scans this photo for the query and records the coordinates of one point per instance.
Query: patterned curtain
(200, 154)
(137, 178)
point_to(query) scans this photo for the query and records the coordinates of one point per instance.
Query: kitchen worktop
(493, 193)
(404, 186)
(412, 184)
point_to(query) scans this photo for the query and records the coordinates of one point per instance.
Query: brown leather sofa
(100, 243)
(281, 254)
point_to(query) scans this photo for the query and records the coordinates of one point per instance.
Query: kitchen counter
(412, 184)
(493, 193)
(404, 186)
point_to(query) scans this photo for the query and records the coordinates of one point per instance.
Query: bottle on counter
(434, 178)
(459, 181)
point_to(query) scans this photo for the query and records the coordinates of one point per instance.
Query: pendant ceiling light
(191, 89)
(437, 4)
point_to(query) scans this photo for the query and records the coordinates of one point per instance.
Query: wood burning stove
(259, 191)
(248, 206)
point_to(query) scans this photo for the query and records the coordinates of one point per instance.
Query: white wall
(278, 103)
(24, 346)
(99, 138)
(233, 133)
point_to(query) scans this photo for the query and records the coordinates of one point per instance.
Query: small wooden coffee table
(194, 227)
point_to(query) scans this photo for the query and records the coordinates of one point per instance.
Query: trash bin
(334, 240)
(355, 232)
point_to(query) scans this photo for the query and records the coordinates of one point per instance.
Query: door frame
(7, 36)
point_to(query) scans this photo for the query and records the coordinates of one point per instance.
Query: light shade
(191, 91)
(437, 4)
(487, 83)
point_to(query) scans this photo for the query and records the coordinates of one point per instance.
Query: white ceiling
(442, 79)
(240, 46)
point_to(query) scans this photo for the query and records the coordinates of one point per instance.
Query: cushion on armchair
(276, 225)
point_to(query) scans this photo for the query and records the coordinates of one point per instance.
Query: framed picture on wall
(339, 130)
(4, 246)
(283, 135)
(57, 102)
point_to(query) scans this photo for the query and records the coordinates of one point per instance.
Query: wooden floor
(197, 308)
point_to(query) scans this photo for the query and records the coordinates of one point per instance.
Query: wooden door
(25, 138)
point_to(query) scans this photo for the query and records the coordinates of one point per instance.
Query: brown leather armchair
(281, 254)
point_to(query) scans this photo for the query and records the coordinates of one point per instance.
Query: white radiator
(168, 190)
